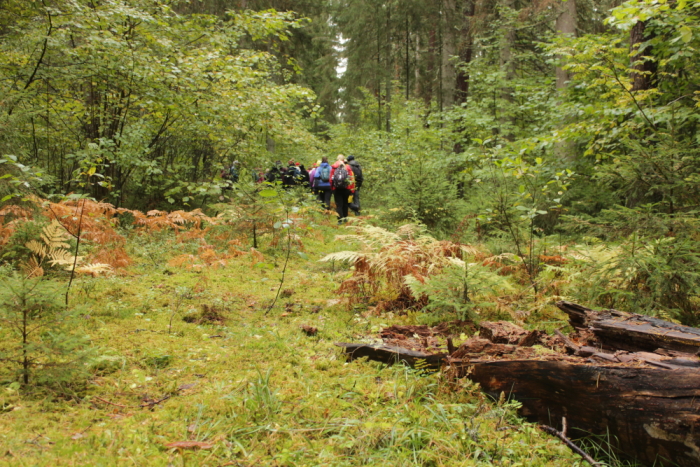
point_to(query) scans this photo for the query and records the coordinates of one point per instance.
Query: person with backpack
(322, 183)
(343, 186)
(290, 175)
(312, 175)
(357, 173)
(275, 173)
(230, 175)
(304, 179)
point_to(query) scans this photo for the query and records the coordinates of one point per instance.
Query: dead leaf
(309, 330)
(189, 445)
(77, 436)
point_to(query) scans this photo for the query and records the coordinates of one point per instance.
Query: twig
(146, 404)
(631, 94)
(77, 248)
(570, 445)
(286, 261)
(111, 403)
(156, 402)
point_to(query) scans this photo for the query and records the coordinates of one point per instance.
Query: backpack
(357, 172)
(341, 178)
(324, 173)
(233, 174)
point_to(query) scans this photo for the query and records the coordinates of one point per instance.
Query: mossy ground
(256, 389)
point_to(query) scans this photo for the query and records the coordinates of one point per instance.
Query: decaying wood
(650, 414)
(391, 354)
(632, 379)
(619, 330)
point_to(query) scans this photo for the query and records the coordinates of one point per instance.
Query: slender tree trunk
(644, 69)
(507, 65)
(566, 26)
(387, 110)
(433, 73)
(449, 50)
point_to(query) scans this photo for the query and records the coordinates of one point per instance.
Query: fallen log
(633, 380)
(392, 354)
(618, 330)
(651, 415)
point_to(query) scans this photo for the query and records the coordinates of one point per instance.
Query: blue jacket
(318, 183)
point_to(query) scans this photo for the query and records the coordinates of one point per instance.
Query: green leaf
(268, 193)
(302, 255)
(277, 225)
(686, 34)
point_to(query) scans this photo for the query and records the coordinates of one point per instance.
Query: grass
(254, 390)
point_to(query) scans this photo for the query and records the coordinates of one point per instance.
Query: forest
(518, 158)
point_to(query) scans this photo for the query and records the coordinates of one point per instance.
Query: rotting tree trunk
(645, 406)
(618, 330)
(651, 415)
(390, 355)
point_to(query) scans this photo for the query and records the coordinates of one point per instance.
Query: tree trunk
(644, 69)
(449, 50)
(566, 26)
(619, 330)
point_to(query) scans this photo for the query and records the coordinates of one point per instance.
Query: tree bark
(449, 50)
(566, 26)
(644, 69)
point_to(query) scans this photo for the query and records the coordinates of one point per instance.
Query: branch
(286, 261)
(569, 444)
(77, 248)
(634, 99)
(43, 50)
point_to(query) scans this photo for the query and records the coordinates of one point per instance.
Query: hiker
(258, 175)
(357, 173)
(290, 175)
(312, 175)
(343, 186)
(304, 178)
(322, 183)
(230, 175)
(275, 173)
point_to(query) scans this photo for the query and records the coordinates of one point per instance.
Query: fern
(387, 258)
(54, 249)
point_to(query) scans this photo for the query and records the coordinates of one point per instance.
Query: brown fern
(387, 258)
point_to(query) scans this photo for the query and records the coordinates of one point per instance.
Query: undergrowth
(192, 371)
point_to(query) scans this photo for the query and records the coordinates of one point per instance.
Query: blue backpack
(324, 173)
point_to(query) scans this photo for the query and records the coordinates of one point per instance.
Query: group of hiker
(342, 180)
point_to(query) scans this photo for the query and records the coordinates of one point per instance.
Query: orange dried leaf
(189, 445)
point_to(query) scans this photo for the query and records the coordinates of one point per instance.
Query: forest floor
(190, 356)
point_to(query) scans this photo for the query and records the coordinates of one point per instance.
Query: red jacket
(351, 186)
